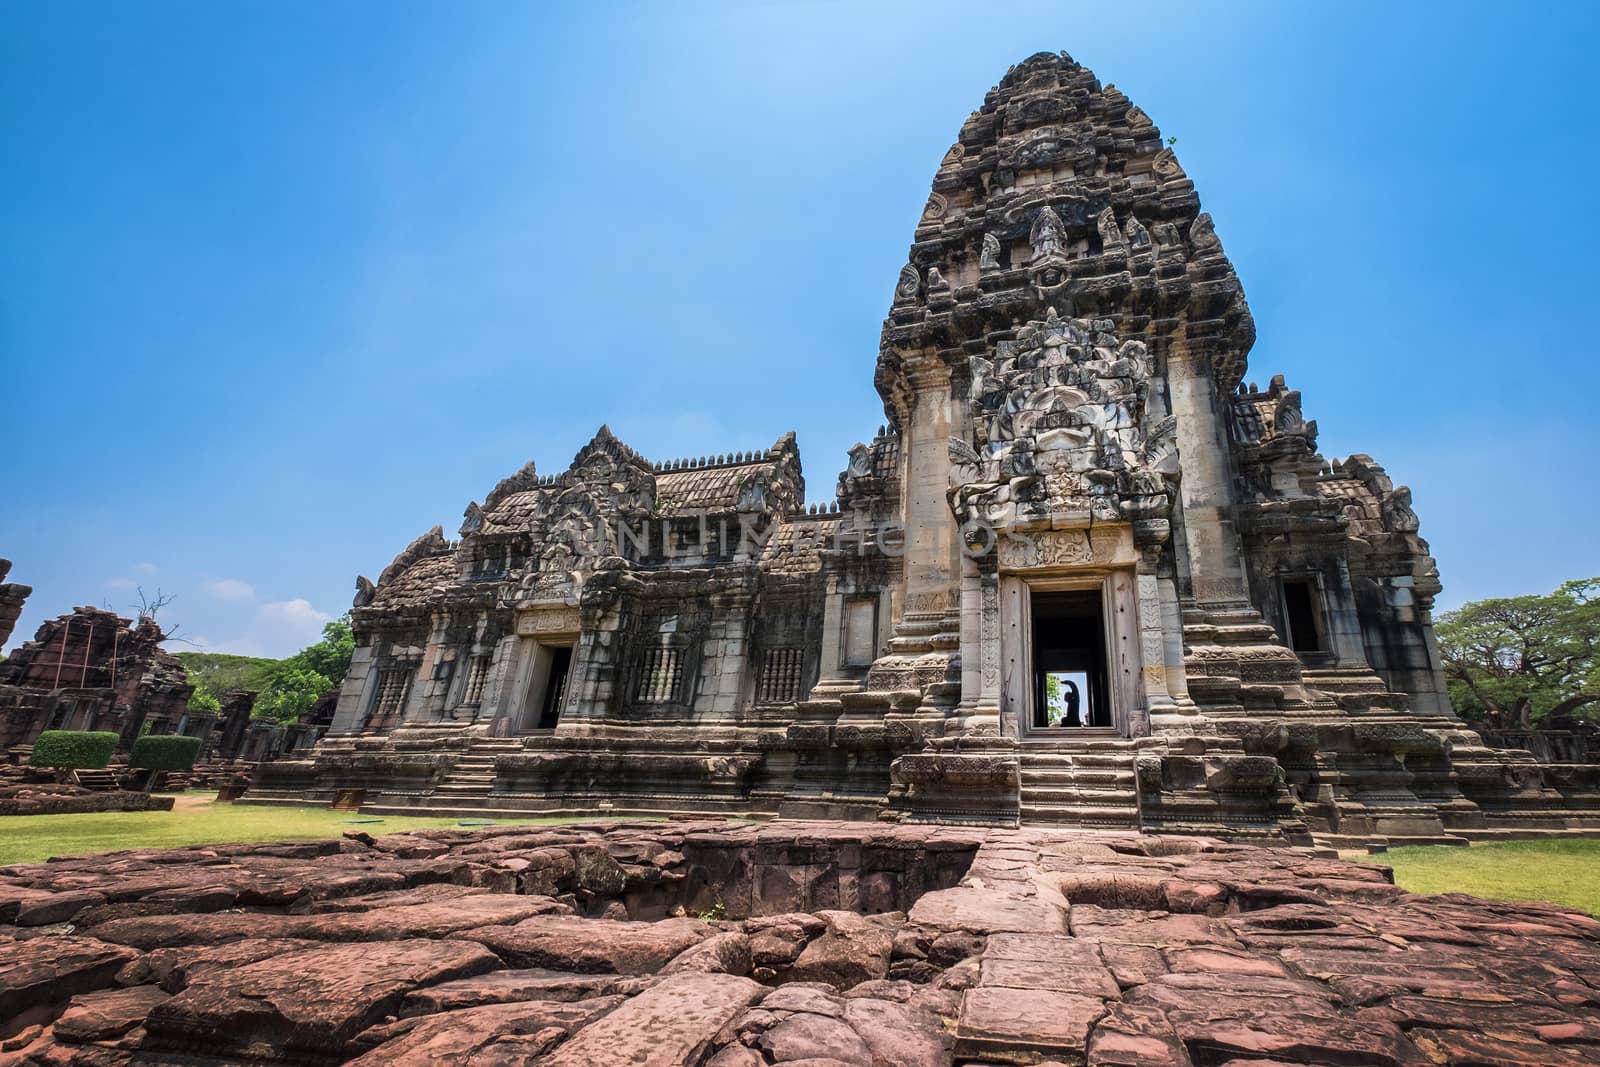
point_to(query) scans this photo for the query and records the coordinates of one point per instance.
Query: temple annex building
(1086, 574)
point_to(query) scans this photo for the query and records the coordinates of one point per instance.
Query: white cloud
(231, 589)
(147, 569)
(287, 626)
(121, 583)
(277, 629)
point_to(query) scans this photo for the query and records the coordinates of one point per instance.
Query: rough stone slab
(107, 1014)
(670, 1024)
(310, 1002)
(173, 969)
(42, 970)
(56, 907)
(1339, 980)
(593, 946)
(488, 1035)
(986, 911)
(1005, 1022)
(439, 919)
(504, 987)
(901, 1034)
(852, 950)
(1090, 981)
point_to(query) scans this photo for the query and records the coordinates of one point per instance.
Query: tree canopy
(1522, 659)
(292, 685)
(286, 688)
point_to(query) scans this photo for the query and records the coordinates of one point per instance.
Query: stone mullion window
(660, 676)
(477, 677)
(780, 676)
(391, 695)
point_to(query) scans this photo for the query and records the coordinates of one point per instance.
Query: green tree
(219, 673)
(330, 657)
(1524, 658)
(203, 699)
(291, 686)
(290, 692)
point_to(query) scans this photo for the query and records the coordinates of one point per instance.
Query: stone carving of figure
(365, 591)
(555, 575)
(982, 376)
(1203, 234)
(753, 499)
(936, 282)
(1165, 165)
(1137, 236)
(1048, 236)
(965, 463)
(860, 461)
(989, 258)
(1110, 236)
(1397, 513)
(1287, 419)
(910, 281)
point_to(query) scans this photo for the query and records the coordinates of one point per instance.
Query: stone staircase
(98, 781)
(1088, 784)
(472, 778)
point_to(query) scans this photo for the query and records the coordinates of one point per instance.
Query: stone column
(832, 630)
(1210, 543)
(932, 555)
(971, 636)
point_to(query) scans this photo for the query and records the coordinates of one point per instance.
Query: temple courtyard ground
(739, 944)
(195, 820)
(1557, 872)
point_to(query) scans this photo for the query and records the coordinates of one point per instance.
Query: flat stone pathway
(805, 943)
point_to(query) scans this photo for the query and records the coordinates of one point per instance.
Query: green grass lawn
(1561, 872)
(195, 820)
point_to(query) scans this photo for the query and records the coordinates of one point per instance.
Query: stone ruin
(94, 670)
(1085, 575)
(815, 944)
(12, 597)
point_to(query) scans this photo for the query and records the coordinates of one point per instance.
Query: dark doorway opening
(1070, 689)
(1303, 615)
(555, 690)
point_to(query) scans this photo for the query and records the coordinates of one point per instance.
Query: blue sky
(283, 285)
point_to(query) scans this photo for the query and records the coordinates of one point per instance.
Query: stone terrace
(805, 943)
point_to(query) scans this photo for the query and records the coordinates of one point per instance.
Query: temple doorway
(547, 686)
(1070, 690)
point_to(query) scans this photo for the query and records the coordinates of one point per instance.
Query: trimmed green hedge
(78, 750)
(164, 752)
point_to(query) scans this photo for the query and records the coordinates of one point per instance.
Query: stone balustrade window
(780, 676)
(477, 675)
(660, 676)
(391, 692)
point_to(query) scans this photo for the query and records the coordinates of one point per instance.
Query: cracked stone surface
(652, 943)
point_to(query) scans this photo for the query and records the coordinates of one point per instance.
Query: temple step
(472, 777)
(1080, 783)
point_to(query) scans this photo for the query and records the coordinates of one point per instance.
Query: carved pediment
(1060, 427)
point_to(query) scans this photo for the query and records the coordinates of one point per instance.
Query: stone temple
(1086, 574)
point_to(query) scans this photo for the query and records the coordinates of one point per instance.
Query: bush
(164, 752)
(73, 750)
